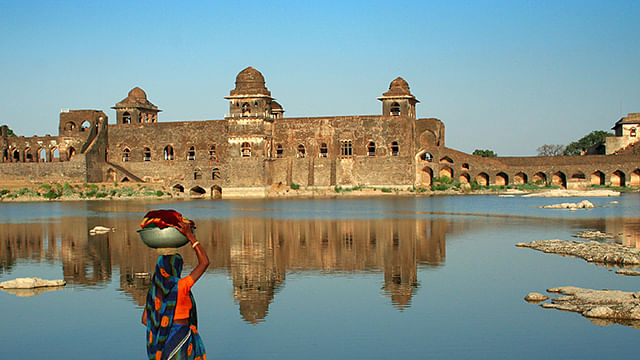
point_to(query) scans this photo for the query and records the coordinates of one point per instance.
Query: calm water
(405, 278)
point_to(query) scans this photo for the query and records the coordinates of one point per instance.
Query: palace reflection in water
(256, 252)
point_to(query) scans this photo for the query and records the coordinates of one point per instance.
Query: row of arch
(144, 118)
(215, 191)
(71, 126)
(15, 155)
(168, 153)
(346, 149)
(616, 178)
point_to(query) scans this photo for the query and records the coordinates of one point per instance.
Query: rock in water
(602, 304)
(535, 297)
(592, 251)
(99, 230)
(30, 283)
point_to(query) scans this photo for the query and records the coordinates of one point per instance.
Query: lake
(373, 278)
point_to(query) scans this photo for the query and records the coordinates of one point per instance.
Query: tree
(593, 138)
(550, 150)
(484, 153)
(10, 132)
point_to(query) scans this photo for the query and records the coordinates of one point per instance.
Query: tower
(135, 109)
(398, 100)
(251, 98)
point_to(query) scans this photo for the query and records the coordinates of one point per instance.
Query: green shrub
(4, 192)
(159, 193)
(45, 186)
(386, 190)
(51, 194)
(101, 195)
(443, 180)
(294, 186)
(440, 187)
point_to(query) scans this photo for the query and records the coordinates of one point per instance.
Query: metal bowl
(169, 237)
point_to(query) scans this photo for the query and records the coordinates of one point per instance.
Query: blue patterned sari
(165, 339)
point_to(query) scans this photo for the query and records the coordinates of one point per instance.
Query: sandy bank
(574, 193)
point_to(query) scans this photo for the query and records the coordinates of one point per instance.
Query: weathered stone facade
(254, 147)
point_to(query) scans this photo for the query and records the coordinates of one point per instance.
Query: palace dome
(136, 98)
(250, 82)
(398, 87)
(137, 93)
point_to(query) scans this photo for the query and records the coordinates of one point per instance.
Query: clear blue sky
(503, 75)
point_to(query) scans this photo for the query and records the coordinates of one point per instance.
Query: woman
(170, 313)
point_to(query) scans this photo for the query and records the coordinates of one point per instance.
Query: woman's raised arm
(203, 259)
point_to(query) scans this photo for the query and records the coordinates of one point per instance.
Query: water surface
(371, 278)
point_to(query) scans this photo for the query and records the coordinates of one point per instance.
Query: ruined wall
(63, 171)
(371, 157)
(215, 159)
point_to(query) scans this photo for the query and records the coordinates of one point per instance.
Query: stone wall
(59, 171)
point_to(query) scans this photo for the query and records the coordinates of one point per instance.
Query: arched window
(126, 118)
(215, 174)
(395, 149)
(371, 148)
(197, 174)
(212, 152)
(245, 150)
(301, 151)
(168, 152)
(146, 155)
(323, 150)
(85, 126)
(191, 154)
(42, 155)
(246, 109)
(426, 157)
(55, 154)
(395, 109)
(125, 154)
(279, 151)
(71, 152)
(5, 155)
(632, 132)
(16, 155)
(28, 157)
(69, 126)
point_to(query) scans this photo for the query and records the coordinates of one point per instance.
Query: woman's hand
(185, 229)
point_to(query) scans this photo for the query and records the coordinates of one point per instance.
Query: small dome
(398, 88)
(137, 93)
(136, 98)
(275, 105)
(249, 77)
(250, 82)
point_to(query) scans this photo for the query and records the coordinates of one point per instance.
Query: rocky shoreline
(602, 307)
(591, 251)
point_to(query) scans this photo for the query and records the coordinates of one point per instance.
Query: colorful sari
(166, 340)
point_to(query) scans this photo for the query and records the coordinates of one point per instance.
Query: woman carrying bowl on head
(170, 312)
